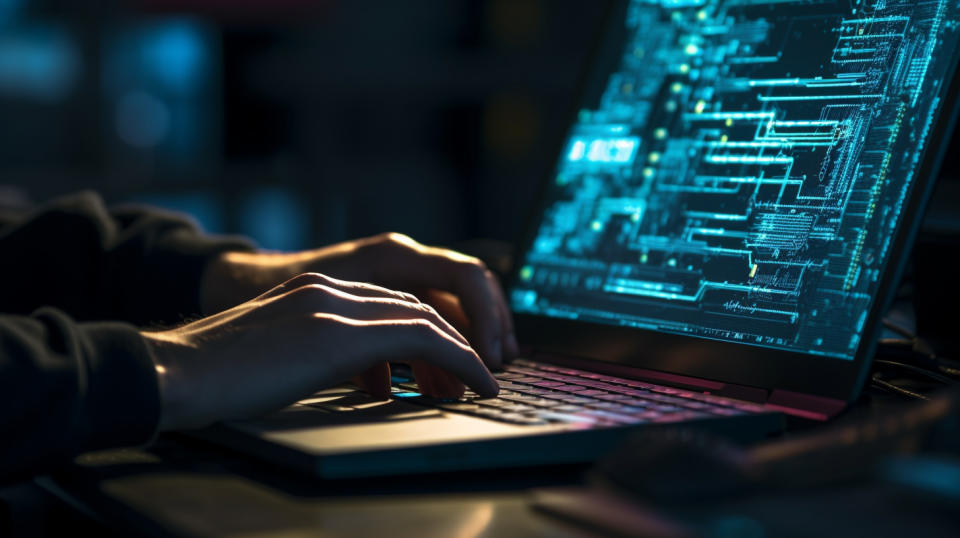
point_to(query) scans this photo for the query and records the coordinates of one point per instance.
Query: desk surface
(181, 487)
(185, 487)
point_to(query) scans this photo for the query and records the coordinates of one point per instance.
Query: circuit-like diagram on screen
(743, 170)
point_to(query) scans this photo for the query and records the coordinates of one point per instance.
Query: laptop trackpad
(350, 408)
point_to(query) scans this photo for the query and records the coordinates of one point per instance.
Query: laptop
(726, 221)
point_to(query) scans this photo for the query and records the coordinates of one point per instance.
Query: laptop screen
(738, 168)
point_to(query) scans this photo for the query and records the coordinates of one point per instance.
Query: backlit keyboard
(536, 394)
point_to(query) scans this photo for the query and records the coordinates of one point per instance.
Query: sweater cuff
(121, 406)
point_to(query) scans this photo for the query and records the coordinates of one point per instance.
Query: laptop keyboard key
(607, 416)
(530, 390)
(493, 402)
(609, 406)
(533, 394)
(547, 384)
(725, 411)
(676, 417)
(464, 407)
(520, 408)
(568, 417)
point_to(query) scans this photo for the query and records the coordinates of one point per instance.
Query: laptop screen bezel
(717, 360)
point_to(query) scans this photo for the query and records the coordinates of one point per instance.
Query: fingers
(361, 289)
(312, 297)
(473, 285)
(423, 375)
(375, 381)
(510, 347)
(448, 306)
(436, 382)
(413, 265)
(468, 282)
(448, 386)
(320, 298)
(384, 340)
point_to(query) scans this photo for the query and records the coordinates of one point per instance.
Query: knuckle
(395, 242)
(473, 267)
(333, 321)
(315, 288)
(384, 237)
(425, 327)
(398, 238)
(312, 292)
(316, 319)
(303, 280)
(426, 309)
(314, 278)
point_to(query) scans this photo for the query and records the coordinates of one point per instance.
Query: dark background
(297, 122)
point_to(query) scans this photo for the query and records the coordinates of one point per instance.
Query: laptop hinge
(805, 405)
(741, 392)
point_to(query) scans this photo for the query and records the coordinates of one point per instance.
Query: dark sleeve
(139, 265)
(67, 388)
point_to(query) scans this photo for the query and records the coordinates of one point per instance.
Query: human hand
(307, 334)
(460, 287)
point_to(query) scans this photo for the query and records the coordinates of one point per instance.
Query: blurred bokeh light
(299, 122)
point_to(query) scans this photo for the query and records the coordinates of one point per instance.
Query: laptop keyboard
(537, 394)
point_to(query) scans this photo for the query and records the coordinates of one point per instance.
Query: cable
(917, 356)
(916, 345)
(923, 371)
(949, 370)
(895, 342)
(918, 353)
(899, 329)
(881, 384)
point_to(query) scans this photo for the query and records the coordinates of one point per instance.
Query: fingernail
(493, 390)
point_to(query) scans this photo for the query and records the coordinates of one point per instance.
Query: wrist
(231, 278)
(173, 402)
